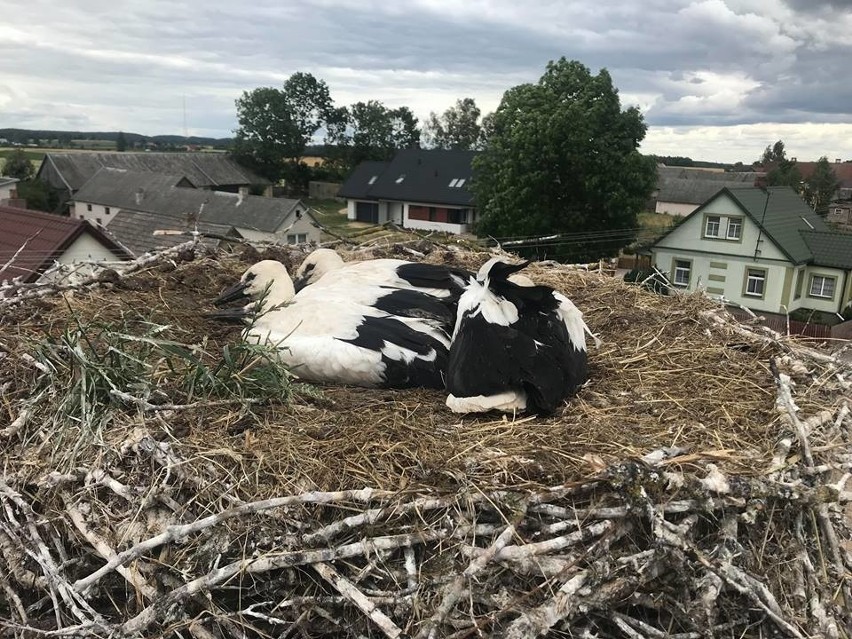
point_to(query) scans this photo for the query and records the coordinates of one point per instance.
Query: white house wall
(84, 249)
(7, 189)
(99, 215)
(680, 209)
(298, 226)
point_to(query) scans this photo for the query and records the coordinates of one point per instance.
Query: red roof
(44, 237)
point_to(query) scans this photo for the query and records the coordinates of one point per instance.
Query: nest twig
(154, 484)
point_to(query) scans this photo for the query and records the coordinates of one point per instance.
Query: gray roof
(831, 249)
(120, 187)
(136, 231)
(416, 175)
(684, 173)
(202, 169)
(689, 191)
(357, 185)
(265, 214)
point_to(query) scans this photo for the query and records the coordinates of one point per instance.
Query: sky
(716, 80)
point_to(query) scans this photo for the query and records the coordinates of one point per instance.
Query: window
(373, 179)
(400, 178)
(755, 282)
(88, 207)
(712, 226)
(735, 228)
(106, 210)
(457, 216)
(681, 272)
(297, 238)
(822, 286)
(453, 182)
(800, 278)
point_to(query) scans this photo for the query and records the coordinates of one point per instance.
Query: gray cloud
(687, 63)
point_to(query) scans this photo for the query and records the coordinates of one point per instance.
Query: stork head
(267, 277)
(315, 265)
(496, 269)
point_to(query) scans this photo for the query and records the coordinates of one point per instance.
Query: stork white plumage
(516, 346)
(325, 267)
(342, 334)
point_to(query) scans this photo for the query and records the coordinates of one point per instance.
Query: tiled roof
(44, 237)
(202, 169)
(417, 175)
(264, 214)
(690, 191)
(357, 185)
(136, 230)
(119, 187)
(830, 249)
(786, 215)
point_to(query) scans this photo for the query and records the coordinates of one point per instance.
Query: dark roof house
(419, 188)
(31, 241)
(142, 231)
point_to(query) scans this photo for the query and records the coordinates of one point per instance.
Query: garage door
(367, 212)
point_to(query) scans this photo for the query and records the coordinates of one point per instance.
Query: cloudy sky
(716, 79)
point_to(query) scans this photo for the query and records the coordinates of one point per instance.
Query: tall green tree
(562, 159)
(18, 165)
(821, 186)
(275, 125)
(781, 171)
(456, 128)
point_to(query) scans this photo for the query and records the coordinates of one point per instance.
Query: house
(100, 198)
(8, 189)
(681, 190)
(418, 189)
(840, 214)
(111, 192)
(764, 249)
(32, 241)
(67, 172)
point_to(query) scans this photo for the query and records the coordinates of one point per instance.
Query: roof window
(373, 179)
(456, 183)
(400, 178)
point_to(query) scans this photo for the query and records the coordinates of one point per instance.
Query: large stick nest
(160, 479)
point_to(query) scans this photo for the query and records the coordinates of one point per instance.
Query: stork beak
(235, 315)
(233, 294)
(299, 283)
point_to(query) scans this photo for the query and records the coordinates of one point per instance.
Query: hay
(161, 480)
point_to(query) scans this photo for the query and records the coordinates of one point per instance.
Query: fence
(779, 323)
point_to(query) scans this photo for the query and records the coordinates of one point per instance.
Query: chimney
(140, 193)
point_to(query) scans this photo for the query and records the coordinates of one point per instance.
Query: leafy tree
(38, 195)
(820, 187)
(275, 125)
(563, 159)
(18, 165)
(457, 128)
(782, 172)
(375, 132)
(773, 154)
(120, 142)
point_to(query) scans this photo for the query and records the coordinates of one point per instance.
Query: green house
(762, 248)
